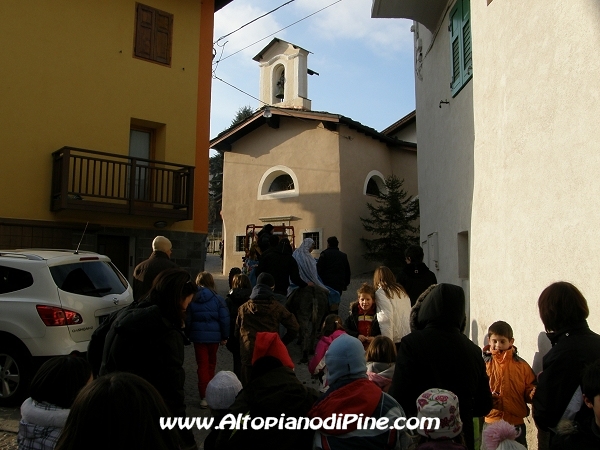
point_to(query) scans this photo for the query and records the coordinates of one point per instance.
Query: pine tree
(391, 220)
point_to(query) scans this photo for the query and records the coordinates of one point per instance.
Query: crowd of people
(401, 353)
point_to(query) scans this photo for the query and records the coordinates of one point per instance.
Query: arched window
(278, 182)
(282, 183)
(278, 83)
(374, 184)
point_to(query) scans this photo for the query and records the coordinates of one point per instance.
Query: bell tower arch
(284, 75)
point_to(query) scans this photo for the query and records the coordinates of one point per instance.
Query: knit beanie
(222, 390)
(443, 405)
(501, 435)
(345, 356)
(269, 344)
(266, 279)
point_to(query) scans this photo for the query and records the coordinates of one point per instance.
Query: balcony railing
(105, 182)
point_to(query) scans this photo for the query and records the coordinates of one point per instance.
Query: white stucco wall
(536, 90)
(445, 161)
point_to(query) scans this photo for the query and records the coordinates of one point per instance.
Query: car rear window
(94, 278)
(12, 279)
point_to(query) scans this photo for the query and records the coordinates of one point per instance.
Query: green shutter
(460, 45)
(455, 47)
(467, 65)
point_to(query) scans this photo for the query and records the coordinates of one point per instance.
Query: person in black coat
(279, 262)
(333, 266)
(148, 340)
(241, 288)
(437, 354)
(416, 276)
(146, 271)
(564, 310)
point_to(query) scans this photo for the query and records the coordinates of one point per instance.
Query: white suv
(51, 301)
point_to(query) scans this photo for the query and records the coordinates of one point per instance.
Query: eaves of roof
(224, 140)
(397, 126)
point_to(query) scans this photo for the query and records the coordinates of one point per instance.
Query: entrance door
(117, 249)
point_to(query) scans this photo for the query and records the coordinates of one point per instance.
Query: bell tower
(284, 75)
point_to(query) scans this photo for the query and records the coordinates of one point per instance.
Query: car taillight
(55, 317)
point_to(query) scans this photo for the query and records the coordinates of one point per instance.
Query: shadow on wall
(475, 332)
(544, 346)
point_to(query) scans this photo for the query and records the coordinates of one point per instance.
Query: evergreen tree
(391, 220)
(215, 170)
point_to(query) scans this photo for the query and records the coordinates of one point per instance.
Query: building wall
(445, 162)
(310, 151)
(536, 94)
(360, 155)
(69, 79)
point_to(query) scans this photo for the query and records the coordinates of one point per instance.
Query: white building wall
(536, 90)
(445, 158)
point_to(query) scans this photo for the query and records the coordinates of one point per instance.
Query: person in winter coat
(393, 305)
(381, 361)
(146, 271)
(585, 433)
(362, 321)
(273, 390)
(332, 329)
(207, 326)
(241, 288)
(280, 263)
(351, 392)
(333, 266)
(564, 310)
(53, 391)
(148, 341)
(437, 353)
(416, 276)
(512, 380)
(261, 313)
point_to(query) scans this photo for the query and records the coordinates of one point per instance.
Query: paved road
(9, 417)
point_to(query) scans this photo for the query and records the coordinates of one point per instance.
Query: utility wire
(266, 37)
(252, 21)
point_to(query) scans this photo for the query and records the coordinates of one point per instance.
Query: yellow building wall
(69, 78)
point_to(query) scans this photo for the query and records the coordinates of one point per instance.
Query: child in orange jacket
(512, 381)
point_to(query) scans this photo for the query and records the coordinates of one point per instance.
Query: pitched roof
(260, 54)
(397, 126)
(226, 138)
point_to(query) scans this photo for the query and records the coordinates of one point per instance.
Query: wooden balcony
(104, 182)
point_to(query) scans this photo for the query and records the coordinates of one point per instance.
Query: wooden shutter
(153, 34)
(144, 31)
(162, 37)
(467, 65)
(455, 47)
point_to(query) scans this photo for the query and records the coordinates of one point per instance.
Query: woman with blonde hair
(393, 305)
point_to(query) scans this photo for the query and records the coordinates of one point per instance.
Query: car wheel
(15, 375)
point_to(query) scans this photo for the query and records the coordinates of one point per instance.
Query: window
(278, 182)
(315, 235)
(153, 34)
(460, 45)
(282, 183)
(374, 184)
(12, 280)
(94, 279)
(239, 244)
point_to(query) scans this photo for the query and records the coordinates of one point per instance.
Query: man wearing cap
(351, 392)
(146, 271)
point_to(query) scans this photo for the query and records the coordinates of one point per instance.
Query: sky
(365, 65)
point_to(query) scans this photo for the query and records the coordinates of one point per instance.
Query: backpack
(95, 348)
